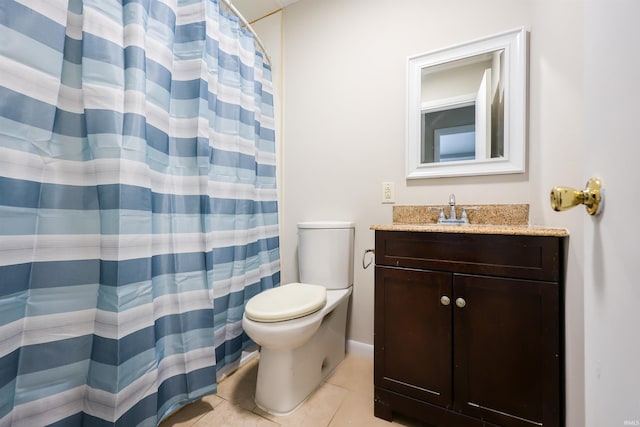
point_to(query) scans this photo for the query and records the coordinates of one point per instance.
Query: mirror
(466, 112)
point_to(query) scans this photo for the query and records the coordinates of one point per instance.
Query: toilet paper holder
(364, 257)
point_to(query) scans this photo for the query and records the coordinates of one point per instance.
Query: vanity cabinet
(469, 328)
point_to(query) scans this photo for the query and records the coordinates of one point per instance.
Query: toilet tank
(325, 253)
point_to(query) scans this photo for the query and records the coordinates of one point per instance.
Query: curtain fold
(138, 206)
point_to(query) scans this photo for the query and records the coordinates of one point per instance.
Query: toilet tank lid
(327, 224)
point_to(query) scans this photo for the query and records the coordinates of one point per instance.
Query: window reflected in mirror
(449, 135)
(462, 109)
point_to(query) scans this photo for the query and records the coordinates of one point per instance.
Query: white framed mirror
(467, 108)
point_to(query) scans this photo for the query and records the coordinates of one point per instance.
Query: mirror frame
(514, 43)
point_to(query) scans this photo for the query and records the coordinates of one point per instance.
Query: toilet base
(286, 377)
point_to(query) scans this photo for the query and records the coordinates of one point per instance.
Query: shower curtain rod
(248, 27)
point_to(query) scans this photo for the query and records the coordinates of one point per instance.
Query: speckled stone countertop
(519, 230)
(512, 219)
(512, 214)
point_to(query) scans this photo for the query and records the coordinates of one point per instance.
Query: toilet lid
(286, 302)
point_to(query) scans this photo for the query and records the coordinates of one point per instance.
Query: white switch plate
(388, 192)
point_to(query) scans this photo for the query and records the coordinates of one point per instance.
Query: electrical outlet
(388, 193)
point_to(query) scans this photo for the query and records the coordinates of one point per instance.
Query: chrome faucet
(453, 219)
(452, 207)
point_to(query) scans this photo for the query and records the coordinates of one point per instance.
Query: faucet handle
(464, 215)
(441, 216)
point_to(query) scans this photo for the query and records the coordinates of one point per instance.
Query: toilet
(301, 327)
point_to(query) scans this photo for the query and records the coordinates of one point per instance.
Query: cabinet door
(506, 350)
(413, 333)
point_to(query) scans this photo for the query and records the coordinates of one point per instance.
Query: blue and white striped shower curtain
(137, 205)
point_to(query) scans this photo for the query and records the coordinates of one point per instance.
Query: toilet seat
(286, 302)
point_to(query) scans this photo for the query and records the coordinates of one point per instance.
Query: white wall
(612, 294)
(344, 126)
(269, 29)
(343, 133)
(556, 131)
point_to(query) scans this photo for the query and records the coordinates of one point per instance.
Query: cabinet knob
(444, 300)
(460, 302)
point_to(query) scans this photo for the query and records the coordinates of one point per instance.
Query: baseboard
(359, 348)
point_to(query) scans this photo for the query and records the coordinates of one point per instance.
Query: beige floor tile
(345, 399)
(239, 388)
(357, 411)
(355, 373)
(190, 414)
(213, 400)
(317, 411)
(229, 415)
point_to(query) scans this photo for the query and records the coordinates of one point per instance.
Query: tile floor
(344, 399)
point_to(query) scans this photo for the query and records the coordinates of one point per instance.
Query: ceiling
(256, 9)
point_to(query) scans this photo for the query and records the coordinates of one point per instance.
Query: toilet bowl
(301, 327)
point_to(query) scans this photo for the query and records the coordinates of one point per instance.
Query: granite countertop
(509, 219)
(522, 230)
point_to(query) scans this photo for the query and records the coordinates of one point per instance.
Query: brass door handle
(563, 198)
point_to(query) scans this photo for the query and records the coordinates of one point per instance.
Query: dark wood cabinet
(469, 328)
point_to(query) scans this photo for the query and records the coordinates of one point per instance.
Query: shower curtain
(137, 205)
